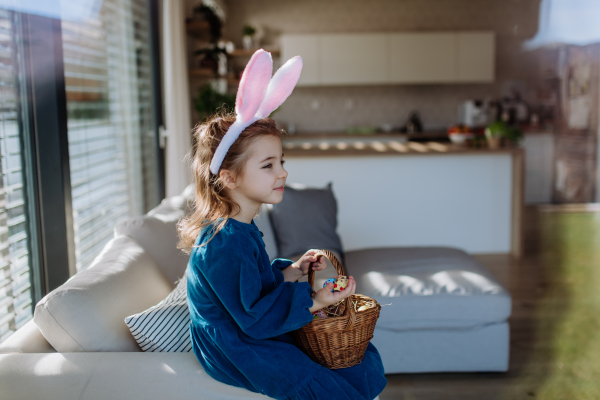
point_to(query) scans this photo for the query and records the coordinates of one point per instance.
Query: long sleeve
(281, 263)
(235, 279)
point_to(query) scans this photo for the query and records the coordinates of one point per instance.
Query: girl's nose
(283, 174)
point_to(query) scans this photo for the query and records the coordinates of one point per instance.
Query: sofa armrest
(27, 339)
(112, 375)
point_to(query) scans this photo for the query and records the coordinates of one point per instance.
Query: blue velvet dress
(241, 311)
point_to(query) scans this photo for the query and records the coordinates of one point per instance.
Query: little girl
(242, 307)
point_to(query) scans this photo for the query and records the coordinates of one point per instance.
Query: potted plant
(499, 133)
(209, 101)
(210, 56)
(248, 33)
(203, 12)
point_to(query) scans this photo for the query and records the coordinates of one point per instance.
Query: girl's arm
(235, 281)
(290, 271)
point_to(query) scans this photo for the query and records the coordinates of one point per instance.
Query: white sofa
(442, 311)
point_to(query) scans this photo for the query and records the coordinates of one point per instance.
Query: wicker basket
(339, 342)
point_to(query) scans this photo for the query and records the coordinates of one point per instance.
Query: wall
(512, 20)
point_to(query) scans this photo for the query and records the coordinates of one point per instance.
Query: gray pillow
(306, 219)
(263, 223)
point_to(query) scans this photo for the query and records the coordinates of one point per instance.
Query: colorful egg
(339, 284)
(319, 314)
(332, 280)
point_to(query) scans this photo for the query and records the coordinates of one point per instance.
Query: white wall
(461, 201)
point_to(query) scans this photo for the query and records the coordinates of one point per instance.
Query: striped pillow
(165, 326)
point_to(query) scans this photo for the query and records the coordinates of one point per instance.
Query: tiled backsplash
(323, 109)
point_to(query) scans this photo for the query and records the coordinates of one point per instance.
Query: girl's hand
(325, 297)
(308, 260)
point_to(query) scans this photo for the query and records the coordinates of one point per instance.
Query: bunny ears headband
(258, 96)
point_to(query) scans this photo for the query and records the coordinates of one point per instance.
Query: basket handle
(349, 311)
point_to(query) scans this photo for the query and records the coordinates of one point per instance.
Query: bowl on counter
(460, 138)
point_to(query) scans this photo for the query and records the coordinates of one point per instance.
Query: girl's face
(263, 176)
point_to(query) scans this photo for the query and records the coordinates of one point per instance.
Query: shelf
(197, 28)
(202, 73)
(248, 53)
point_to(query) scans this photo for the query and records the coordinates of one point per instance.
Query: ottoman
(441, 309)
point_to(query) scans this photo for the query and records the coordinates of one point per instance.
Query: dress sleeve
(281, 263)
(235, 280)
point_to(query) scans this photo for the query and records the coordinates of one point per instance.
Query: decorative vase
(494, 142)
(247, 42)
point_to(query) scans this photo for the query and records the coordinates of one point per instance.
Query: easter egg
(362, 308)
(332, 280)
(340, 284)
(319, 314)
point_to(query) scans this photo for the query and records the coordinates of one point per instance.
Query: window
(57, 212)
(15, 295)
(110, 127)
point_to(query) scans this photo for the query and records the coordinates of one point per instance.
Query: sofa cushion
(157, 233)
(306, 219)
(428, 287)
(263, 223)
(86, 313)
(165, 326)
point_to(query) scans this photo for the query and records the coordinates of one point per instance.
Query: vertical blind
(15, 295)
(110, 127)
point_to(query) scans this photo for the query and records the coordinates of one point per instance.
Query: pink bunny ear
(281, 86)
(253, 85)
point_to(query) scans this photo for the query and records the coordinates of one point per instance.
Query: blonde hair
(211, 201)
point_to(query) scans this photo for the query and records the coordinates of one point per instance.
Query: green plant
(209, 101)
(248, 30)
(214, 22)
(502, 129)
(211, 53)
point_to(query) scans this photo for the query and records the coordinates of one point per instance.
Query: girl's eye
(268, 166)
(282, 162)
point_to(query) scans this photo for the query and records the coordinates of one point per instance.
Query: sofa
(441, 311)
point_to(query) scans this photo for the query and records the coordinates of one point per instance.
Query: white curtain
(176, 97)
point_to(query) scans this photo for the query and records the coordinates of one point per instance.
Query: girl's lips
(280, 189)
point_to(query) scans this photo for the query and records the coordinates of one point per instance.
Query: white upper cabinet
(309, 48)
(476, 60)
(423, 57)
(393, 58)
(366, 63)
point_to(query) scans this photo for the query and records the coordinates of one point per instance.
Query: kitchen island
(405, 193)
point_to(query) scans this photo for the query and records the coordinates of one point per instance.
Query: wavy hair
(211, 201)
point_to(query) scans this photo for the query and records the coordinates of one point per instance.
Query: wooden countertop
(352, 145)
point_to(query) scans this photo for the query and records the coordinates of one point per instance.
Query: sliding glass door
(109, 102)
(78, 144)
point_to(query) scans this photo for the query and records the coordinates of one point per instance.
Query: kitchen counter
(404, 193)
(333, 145)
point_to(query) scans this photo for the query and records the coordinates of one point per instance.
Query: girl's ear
(228, 179)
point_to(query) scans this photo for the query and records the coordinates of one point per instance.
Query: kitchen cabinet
(475, 56)
(539, 167)
(309, 47)
(423, 57)
(393, 58)
(364, 64)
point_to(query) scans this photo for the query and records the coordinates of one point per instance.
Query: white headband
(258, 96)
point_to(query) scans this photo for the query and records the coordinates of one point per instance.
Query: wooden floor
(555, 322)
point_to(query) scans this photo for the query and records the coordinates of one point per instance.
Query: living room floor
(555, 323)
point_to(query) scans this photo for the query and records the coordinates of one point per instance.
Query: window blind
(110, 109)
(15, 295)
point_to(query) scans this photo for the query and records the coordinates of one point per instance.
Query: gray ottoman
(441, 309)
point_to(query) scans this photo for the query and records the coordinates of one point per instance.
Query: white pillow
(157, 234)
(86, 312)
(164, 327)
